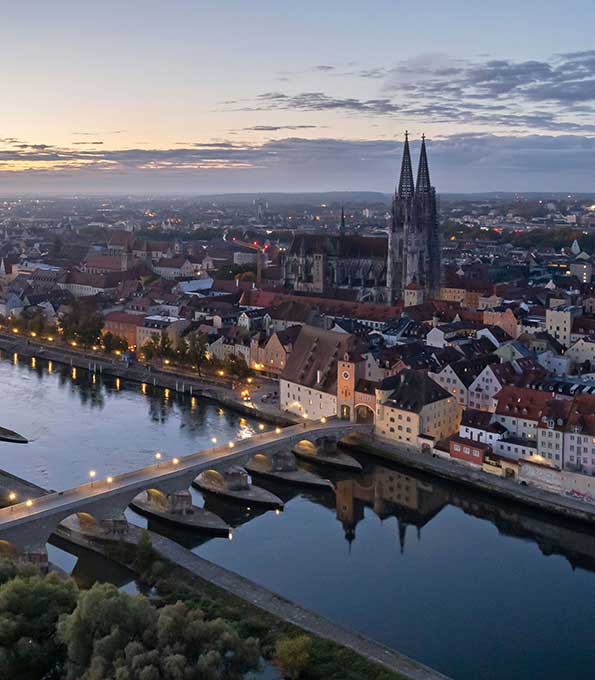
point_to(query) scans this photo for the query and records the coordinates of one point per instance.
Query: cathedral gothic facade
(376, 268)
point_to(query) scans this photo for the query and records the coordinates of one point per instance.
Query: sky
(204, 96)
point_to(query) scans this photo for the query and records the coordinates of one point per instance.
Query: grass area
(168, 583)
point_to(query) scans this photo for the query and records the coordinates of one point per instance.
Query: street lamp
(92, 475)
(261, 426)
(158, 458)
(277, 430)
(29, 503)
(109, 480)
(175, 461)
(231, 445)
(214, 440)
(12, 498)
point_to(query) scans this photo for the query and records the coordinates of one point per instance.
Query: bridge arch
(306, 446)
(364, 413)
(212, 478)
(157, 497)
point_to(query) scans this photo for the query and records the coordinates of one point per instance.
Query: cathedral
(376, 269)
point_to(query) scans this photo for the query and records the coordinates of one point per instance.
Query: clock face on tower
(345, 375)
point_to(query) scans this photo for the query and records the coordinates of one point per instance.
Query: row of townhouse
(138, 329)
(537, 427)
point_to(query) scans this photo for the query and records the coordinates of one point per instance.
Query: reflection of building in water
(576, 544)
(389, 493)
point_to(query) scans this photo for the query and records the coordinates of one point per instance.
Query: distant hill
(371, 197)
(312, 198)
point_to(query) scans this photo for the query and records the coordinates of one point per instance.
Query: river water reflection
(474, 588)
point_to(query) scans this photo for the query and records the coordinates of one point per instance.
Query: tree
(237, 366)
(197, 350)
(165, 346)
(113, 342)
(104, 622)
(30, 607)
(145, 555)
(111, 634)
(83, 323)
(108, 342)
(292, 655)
(158, 345)
(151, 347)
(10, 569)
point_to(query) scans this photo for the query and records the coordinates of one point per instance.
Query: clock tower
(346, 388)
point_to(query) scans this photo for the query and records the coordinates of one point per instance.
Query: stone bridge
(26, 527)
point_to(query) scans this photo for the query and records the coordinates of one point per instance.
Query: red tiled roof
(521, 402)
(125, 317)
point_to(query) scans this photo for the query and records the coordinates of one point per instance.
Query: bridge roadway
(27, 526)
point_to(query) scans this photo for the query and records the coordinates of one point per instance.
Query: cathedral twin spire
(413, 239)
(406, 186)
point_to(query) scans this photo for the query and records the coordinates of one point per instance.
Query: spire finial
(423, 172)
(406, 186)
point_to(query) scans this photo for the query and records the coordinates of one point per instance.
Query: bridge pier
(38, 557)
(114, 526)
(327, 445)
(179, 502)
(26, 527)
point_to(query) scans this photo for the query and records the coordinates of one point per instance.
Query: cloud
(462, 163)
(554, 94)
(319, 101)
(563, 89)
(276, 128)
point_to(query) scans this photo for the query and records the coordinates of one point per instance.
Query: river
(473, 587)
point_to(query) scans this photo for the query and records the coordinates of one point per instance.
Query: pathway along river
(470, 586)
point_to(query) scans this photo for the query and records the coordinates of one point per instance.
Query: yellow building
(413, 409)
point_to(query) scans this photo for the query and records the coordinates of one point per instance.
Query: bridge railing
(174, 466)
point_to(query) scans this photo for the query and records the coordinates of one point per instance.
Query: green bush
(292, 655)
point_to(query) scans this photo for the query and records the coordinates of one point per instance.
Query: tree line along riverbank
(176, 381)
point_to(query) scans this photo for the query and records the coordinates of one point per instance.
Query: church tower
(402, 210)
(426, 215)
(413, 258)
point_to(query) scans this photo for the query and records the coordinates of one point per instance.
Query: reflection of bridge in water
(27, 526)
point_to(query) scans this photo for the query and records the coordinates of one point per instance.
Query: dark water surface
(474, 588)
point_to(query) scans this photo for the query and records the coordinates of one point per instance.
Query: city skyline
(200, 98)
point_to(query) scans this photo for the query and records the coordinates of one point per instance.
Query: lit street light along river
(470, 586)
